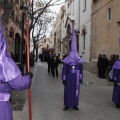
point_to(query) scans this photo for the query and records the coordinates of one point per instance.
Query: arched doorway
(83, 33)
(17, 47)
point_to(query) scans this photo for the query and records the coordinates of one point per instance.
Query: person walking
(99, 65)
(110, 67)
(55, 64)
(10, 79)
(49, 62)
(116, 79)
(72, 74)
(104, 65)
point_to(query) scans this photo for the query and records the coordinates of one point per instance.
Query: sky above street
(56, 8)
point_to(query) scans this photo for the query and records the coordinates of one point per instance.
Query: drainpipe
(79, 24)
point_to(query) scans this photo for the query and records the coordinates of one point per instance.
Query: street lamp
(23, 9)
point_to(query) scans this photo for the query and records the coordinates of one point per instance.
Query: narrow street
(47, 98)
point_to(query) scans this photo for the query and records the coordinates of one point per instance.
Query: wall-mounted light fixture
(77, 32)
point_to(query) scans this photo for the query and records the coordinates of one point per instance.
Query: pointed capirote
(73, 42)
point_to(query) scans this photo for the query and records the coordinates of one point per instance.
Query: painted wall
(85, 23)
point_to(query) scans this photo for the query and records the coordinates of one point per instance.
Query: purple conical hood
(8, 69)
(73, 42)
(73, 58)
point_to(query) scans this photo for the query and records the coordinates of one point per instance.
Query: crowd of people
(113, 67)
(105, 65)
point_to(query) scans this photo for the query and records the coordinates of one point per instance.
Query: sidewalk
(47, 99)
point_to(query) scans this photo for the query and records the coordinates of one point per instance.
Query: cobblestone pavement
(47, 99)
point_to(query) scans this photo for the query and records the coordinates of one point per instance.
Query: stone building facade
(105, 30)
(13, 29)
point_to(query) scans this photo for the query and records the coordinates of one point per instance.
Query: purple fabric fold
(117, 65)
(64, 77)
(77, 83)
(4, 96)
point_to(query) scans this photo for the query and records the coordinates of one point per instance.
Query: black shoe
(110, 80)
(65, 108)
(117, 105)
(76, 108)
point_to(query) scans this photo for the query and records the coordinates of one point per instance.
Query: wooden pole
(28, 66)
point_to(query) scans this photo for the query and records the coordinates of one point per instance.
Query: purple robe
(116, 78)
(19, 83)
(72, 74)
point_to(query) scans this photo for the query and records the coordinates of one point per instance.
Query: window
(10, 34)
(84, 39)
(84, 5)
(109, 14)
(83, 34)
(84, 42)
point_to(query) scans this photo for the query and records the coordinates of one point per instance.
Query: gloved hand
(30, 74)
(64, 82)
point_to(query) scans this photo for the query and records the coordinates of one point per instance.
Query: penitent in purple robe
(116, 78)
(10, 79)
(72, 73)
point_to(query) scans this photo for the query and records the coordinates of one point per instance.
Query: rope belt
(4, 96)
(72, 71)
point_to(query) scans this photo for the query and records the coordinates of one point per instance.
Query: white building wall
(76, 13)
(85, 20)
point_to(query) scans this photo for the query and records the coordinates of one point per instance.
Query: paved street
(47, 98)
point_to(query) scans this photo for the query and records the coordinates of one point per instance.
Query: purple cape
(8, 69)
